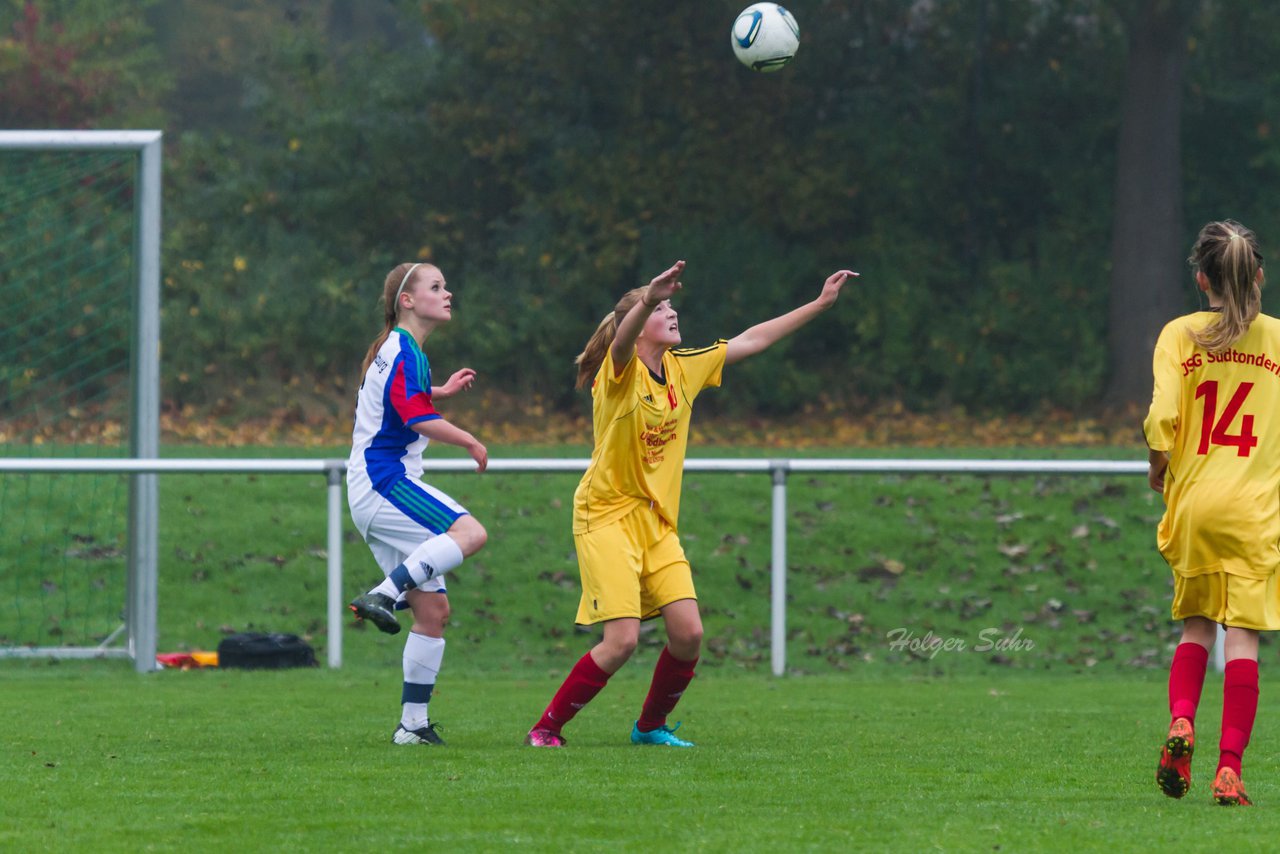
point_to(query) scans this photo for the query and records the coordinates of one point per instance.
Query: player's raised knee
(469, 534)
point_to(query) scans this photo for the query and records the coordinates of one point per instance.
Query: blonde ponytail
(1227, 253)
(592, 355)
(392, 287)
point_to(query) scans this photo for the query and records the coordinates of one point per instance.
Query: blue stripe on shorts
(422, 507)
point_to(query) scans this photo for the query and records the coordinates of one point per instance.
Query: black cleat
(422, 735)
(378, 609)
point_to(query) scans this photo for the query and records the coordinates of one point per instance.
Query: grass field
(99, 758)
(1046, 743)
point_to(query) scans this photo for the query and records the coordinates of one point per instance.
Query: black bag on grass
(261, 650)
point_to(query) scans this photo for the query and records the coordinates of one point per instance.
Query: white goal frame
(144, 371)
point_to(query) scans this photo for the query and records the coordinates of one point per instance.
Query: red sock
(582, 684)
(670, 677)
(1186, 679)
(1239, 707)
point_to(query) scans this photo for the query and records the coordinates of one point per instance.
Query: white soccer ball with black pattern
(765, 37)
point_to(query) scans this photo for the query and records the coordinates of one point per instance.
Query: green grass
(864, 746)
(1066, 565)
(99, 758)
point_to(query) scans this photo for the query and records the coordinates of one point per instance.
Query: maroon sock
(1186, 679)
(582, 684)
(670, 677)
(1239, 707)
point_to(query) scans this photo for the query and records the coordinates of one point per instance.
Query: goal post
(144, 381)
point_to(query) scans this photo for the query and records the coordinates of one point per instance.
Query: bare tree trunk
(975, 215)
(1148, 229)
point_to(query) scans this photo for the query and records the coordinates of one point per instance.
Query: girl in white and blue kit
(415, 531)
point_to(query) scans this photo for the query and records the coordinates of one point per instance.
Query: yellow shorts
(631, 568)
(1232, 600)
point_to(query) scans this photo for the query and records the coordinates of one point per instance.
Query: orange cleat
(1228, 789)
(1174, 771)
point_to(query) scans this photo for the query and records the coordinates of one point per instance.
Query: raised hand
(460, 381)
(831, 287)
(664, 285)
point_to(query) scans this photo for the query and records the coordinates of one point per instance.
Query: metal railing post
(334, 474)
(778, 557)
(1220, 650)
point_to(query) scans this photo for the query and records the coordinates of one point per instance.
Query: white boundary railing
(334, 471)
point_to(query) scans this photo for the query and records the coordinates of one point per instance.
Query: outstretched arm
(439, 430)
(763, 335)
(624, 340)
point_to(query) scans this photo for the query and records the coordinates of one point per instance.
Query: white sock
(433, 558)
(422, 657)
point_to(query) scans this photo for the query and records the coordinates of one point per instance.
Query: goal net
(79, 224)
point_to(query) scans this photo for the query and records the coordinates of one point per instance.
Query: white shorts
(392, 533)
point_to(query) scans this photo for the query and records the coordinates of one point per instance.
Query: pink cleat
(543, 737)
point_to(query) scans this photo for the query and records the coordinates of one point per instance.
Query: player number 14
(1214, 430)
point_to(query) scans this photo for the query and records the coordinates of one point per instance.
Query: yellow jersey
(640, 427)
(1212, 413)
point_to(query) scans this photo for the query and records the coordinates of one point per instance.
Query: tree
(83, 64)
(547, 166)
(1148, 225)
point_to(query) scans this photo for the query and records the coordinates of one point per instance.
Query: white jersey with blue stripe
(385, 449)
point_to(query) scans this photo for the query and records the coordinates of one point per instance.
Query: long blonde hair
(1227, 253)
(391, 289)
(592, 355)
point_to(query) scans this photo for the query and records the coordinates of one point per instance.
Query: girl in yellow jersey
(1216, 459)
(627, 507)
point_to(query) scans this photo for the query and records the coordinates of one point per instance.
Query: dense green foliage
(77, 63)
(960, 155)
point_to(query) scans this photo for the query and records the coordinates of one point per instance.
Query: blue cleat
(664, 735)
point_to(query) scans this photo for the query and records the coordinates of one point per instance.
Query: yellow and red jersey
(1218, 417)
(640, 424)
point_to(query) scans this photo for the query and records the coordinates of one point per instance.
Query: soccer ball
(765, 37)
